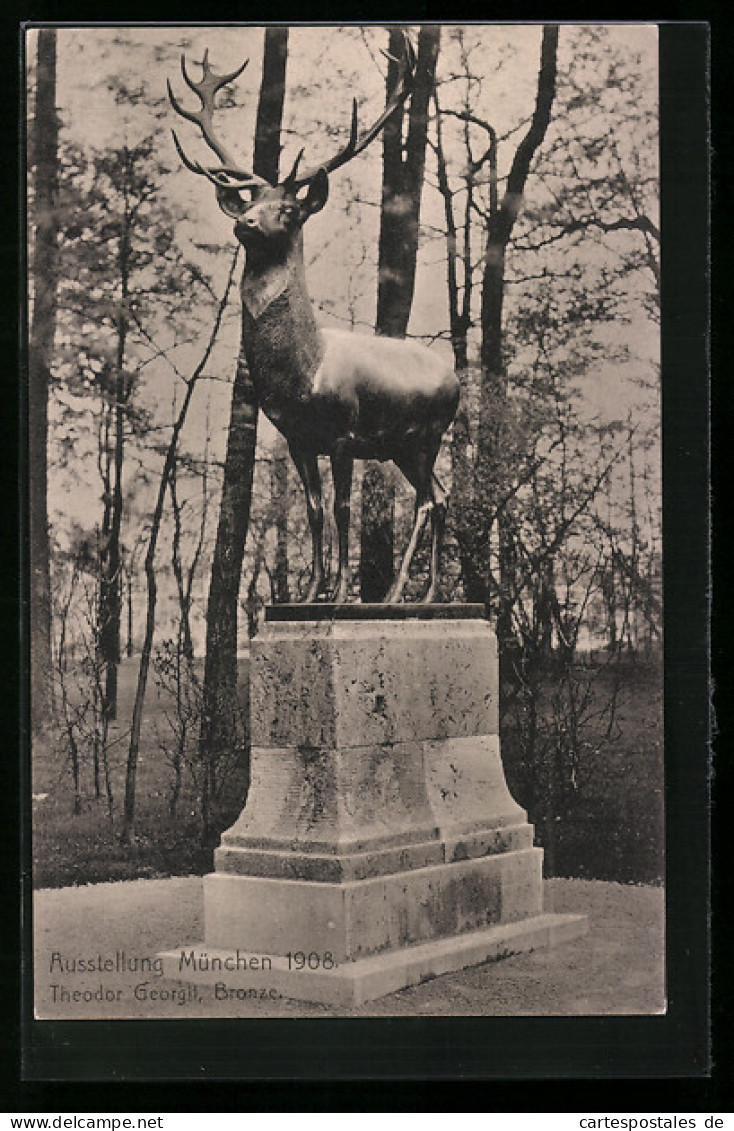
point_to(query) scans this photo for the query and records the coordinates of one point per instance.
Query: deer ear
(230, 202)
(317, 196)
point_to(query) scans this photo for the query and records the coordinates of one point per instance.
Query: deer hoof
(340, 596)
(311, 593)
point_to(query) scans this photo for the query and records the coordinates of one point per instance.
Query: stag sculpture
(329, 392)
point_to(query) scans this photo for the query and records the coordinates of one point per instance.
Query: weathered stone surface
(365, 811)
(379, 830)
(466, 785)
(353, 919)
(339, 684)
(294, 863)
(359, 747)
(353, 983)
(318, 799)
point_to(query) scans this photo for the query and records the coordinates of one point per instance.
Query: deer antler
(354, 146)
(229, 175)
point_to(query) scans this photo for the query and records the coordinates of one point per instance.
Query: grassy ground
(607, 819)
(610, 829)
(83, 848)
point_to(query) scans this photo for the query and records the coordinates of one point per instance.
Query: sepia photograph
(345, 521)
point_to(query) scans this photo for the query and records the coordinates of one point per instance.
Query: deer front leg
(342, 466)
(308, 469)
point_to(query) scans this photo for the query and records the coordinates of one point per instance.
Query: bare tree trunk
(42, 330)
(403, 171)
(66, 711)
(221, 723)
(462, 517)
(129, 645)
(221, 728)
(185, 643)
(110, 585)
(490, 469)
(481, 482)
(150, 576)
(402, 183)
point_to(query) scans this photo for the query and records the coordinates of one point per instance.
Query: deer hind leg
(417, 468)
(342, 466)
(308, 469)
(440, 499)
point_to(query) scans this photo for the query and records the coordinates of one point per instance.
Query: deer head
(268, 215)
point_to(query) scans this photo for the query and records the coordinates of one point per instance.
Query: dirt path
(616, 968)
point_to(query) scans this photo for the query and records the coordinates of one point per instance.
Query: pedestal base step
(236, 976)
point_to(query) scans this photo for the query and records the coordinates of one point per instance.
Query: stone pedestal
(379, 845)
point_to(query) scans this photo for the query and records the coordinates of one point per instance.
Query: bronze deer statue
(329, 392)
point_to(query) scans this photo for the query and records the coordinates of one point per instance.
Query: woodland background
(507, 217)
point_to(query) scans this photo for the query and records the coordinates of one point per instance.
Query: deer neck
(265, 278)
(281, 338)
